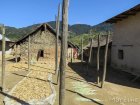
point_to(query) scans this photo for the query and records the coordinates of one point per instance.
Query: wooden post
(3, 58)
(98, 59)
(29, 58)
(71, 54)
(82, 50)
(16, 53)
(57, 35)
(90, 53)
(105, 60)
(63, 52)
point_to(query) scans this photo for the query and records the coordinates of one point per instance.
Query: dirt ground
(15, 72)
(81, 87)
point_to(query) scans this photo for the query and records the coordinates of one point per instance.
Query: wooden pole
(29, 58)
(63, 52)
(105, 60)
(90, 53)
(98, 59)
(57, 35)
(71, 54)
(82, 50)
(3, 58)
(16, 53)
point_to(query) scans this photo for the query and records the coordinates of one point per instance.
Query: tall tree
(63, 51)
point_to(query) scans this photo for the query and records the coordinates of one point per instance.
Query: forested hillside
(76, 31)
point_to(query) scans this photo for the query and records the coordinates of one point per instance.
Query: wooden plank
(105, 60)
(63, 52)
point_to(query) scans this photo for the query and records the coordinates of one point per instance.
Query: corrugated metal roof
(5, 38)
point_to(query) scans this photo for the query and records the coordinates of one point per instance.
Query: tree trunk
(98, 59)
(105, 60)
(63, 52)
(3, 58)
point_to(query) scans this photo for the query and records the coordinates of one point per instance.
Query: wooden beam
(3, 58)
(105, 59)
(63, 51)
(98, 60)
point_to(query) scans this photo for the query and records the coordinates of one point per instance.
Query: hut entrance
(40, 54)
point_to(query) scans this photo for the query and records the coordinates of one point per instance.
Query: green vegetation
(76, 32)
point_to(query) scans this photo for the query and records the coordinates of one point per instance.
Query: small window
(120, 54)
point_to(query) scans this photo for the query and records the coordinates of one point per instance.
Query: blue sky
(22, 13)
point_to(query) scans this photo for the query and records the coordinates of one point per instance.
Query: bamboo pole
(82, 50)
(3, 58)
(29, 58)
(63, 52)
(57, 35)
(98, 59)
(105, 60)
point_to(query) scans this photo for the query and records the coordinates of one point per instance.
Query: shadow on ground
(14, 98)
(89, 74)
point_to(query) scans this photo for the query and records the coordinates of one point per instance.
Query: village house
(93, 61)
(42, 43)
(125, 53)
(72, 51)
(8, 43)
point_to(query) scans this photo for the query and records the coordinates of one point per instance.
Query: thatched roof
(42, 27)
(95, 43)
(124, 15)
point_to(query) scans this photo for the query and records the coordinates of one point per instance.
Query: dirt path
(81, 88)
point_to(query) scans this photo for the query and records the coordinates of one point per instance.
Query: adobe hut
(41, 42)
(72, 50)
(126, 40)
(8, 43)
(93, 61)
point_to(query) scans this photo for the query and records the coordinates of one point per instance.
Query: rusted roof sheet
(124, 15)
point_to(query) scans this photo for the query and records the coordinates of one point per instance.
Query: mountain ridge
(15, 34)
